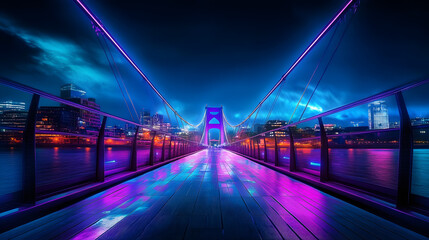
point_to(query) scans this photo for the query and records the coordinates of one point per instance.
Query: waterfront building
(378, 116)
(157, 121)
(59, 119)
(70, 90)
(11, 106)
(273, 124)
(145, 118)
(12, 115)
(87, 121)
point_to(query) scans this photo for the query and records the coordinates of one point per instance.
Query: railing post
(292, 156)
(29, 158)
(152, 150)
(251, 148)
(405, 168)
(183, 148)
(175, 149)
(265, 150)
(163, 149)
(133, 161)
(324, 153)
(99, 173)
(179, 148)
(276, 151)
(169, 148)
(259, 149)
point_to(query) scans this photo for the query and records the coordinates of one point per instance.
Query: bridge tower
(214, 120)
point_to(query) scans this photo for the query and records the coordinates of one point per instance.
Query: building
(59, 119)
(70, 90)
(12, 115)
(419, 121)
(13, 119)
(378, 117)
(157, 121)
(328, 127)
(274, 124)
(115, 131)
(87, 121)
(258, 128)
(145, 118)
(12, 106)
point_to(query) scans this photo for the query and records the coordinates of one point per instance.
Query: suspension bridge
(298, 178)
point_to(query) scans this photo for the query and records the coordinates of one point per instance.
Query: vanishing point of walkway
(213, 194)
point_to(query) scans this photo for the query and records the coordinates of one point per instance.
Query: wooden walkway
(213, 194)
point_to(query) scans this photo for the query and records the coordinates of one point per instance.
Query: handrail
(371, 98)
(38, 131)
(31, 90)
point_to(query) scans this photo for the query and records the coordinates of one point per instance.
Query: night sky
(214, 53)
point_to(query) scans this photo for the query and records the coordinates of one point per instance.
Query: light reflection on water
(69, 166)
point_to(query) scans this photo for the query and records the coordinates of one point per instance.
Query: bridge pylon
(214, 120)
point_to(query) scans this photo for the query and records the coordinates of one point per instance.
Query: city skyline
(253, 71)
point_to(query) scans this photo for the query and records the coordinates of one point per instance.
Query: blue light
(113, 161)
(9, 212)
(315, 164)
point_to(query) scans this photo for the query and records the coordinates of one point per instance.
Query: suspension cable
(348, 5)
(326, 67)
(254, 120)
(314, 72)
(113, 71)
(102, 28)
(168, 115)
(120, 76)
(274, 102)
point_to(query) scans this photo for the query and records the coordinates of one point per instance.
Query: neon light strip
(97, 22)
(9, 212)
(315, 41)
(315, 164)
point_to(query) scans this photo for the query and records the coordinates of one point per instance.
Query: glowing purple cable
(98, 23)
(334, 20)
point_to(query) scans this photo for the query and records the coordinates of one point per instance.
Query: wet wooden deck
(211, 195)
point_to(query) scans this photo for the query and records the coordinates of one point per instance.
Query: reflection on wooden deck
(213, 194)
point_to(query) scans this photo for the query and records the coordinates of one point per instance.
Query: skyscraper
(61, 119)
(86, 120)
(13, 115)
(71, 90)
(157, 121)
(12, 106)
(378, 116)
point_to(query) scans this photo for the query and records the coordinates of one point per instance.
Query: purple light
(315, 41)
(97, 22)
(315, 164)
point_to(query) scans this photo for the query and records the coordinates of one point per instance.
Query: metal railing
(402, 192)
(171, 147)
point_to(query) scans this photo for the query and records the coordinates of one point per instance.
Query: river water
(61, 167)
